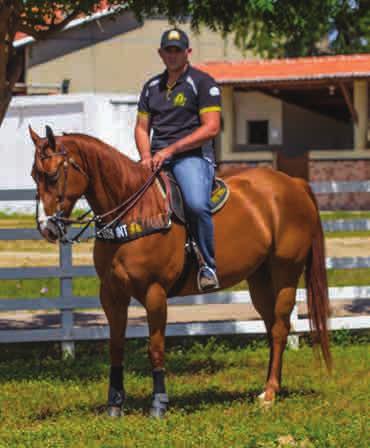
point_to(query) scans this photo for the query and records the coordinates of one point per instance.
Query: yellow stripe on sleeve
(210, 109)
(142, 113)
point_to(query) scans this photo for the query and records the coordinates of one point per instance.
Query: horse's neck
(113, 177)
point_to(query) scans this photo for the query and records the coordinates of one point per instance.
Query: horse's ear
(35, 138)
(51, 138)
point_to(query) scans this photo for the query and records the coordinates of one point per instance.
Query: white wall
(108, 117)
(257, 106)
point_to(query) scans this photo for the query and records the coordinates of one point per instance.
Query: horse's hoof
(159, 406)
(263, 402)
(115, 411)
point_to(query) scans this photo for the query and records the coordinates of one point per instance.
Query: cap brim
(174, 43)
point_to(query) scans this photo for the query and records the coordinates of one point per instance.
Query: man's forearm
(142, 143)
(194, 140)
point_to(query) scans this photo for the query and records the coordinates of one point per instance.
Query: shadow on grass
(185, 357)
(187, 403)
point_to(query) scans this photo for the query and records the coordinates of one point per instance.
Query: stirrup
(209, 283)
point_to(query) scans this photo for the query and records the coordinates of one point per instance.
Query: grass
(212, 384)
(342, 214)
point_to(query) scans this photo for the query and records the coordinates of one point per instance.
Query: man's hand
(161, 156)
(148, 163)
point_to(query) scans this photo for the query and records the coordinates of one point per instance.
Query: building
(111, 53)
(307, 116)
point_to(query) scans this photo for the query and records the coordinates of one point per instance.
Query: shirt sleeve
(143, 106)
(209, 96)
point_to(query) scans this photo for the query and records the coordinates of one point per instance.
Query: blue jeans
(195, 178)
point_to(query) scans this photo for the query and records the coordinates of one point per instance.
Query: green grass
(342, 214)
(212, 384)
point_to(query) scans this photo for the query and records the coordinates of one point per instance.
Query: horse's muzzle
(52, 229)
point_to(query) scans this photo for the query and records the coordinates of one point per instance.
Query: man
(182, 106)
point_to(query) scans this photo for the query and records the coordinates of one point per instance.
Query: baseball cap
(175, 38)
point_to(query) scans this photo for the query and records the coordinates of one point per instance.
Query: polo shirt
(174, 111)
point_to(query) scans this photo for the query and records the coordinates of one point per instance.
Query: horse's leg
(156, 308)
(115, 307)
(285, 276)
(263, 299)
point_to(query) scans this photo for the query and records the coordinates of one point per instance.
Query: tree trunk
(11, 63)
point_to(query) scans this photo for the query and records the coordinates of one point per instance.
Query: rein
(61, 222)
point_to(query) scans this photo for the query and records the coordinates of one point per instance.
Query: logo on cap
(174, 35)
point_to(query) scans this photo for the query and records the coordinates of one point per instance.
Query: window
(257, 132)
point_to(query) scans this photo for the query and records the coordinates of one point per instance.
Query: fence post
(293, 339)
(65, 262)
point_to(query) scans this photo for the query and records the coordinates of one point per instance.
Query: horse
(268, 233)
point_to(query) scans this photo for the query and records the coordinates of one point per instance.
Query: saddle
(170, 189)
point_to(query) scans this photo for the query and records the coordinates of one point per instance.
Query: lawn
(212, 383)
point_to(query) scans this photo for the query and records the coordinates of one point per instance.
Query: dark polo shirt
(175, 111)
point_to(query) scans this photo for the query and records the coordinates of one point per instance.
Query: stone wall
(341, 170)
(324, 171)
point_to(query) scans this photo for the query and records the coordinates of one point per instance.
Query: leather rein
(61, 222)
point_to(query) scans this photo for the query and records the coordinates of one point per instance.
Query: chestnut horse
(268, 232)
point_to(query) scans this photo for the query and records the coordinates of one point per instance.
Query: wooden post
(228, 125)
(361, 105)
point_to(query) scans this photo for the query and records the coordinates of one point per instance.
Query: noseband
(60, 222)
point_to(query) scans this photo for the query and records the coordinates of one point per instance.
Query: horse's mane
(120, 177)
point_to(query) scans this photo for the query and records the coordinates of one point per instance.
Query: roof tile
(248, 71)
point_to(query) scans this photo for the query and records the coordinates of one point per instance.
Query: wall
(306, 130)
(108, 117)
(257, 106)
(115, 56)
(341, 170)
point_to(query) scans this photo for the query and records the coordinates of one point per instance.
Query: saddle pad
(220, 194)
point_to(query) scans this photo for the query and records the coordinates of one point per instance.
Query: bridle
(60, 222)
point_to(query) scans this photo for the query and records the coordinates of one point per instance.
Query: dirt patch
(348, 247)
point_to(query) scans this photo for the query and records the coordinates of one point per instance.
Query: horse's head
(61, 180)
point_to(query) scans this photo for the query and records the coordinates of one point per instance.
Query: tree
(39, 19)
(277, 28)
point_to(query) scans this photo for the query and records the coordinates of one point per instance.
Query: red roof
(308, 68)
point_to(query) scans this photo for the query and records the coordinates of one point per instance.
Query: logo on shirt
(214, 91)
(179, 100)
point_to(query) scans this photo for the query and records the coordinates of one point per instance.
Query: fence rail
(67, 301)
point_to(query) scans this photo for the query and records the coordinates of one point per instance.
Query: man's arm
(142, 138)
(209, 129)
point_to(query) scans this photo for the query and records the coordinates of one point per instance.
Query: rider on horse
(182, 106)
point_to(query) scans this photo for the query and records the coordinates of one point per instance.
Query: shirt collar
(181, 78)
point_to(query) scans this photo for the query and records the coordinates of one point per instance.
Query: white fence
(67, 302)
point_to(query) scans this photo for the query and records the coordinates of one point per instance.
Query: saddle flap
(219, 196)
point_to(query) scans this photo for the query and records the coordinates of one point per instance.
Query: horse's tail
(317, 289)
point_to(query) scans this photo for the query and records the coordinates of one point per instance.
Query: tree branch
(42, 35)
